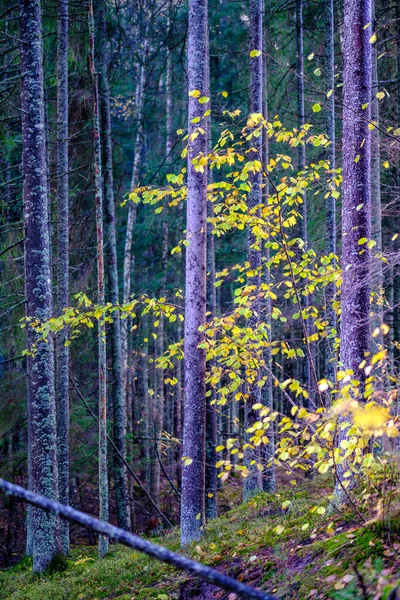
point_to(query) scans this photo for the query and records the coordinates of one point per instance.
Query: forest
(200, 299)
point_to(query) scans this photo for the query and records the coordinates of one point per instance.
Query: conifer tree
(42, 435)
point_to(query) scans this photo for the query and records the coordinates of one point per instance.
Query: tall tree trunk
(118, 398)
(376, 212)
(301, 119)
(41, 396)
(267, 391)
(330, 217)
(178, 415)
(356, 206)
(211, 511)
(157, 415)
(252, 484)
(132, 214)
(62, 390)
(102, 357)
(193, 475)
(396, 273)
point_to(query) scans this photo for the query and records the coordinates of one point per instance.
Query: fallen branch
(129, 539)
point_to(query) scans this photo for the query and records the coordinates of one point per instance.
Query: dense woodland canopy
(200, 281)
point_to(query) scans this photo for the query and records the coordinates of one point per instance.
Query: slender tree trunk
(146, 397)
(310, 384)
(193, 476)
(62, 379)
(268, 449)
(330, 219)
(211, 509)
(157, 417)
(132, 215)
(118, 399)
(211, 410)
(376, 212)
(178, 416)
(356, 206)
(42, 432)
(252, 484)
(102, 358)
(396, 273)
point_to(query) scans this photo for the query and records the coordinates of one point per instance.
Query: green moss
(242, 541)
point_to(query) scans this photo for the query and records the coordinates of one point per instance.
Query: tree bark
(193, 472)
(330, 206)
(356, 205)
(62, 375)
(42, 434)
(301, 119)
(117, 391)
(268, 450)
(102, 356)
(252, 484)
(376, 211)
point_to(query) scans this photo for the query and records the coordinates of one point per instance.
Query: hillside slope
(289, 551)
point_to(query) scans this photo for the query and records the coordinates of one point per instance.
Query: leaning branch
(129, 539)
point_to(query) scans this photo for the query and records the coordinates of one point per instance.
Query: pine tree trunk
(376, 211)
(132, 217)
(330, 218)
(356, 206)
(268, 450)
(157, 417)
(42, 435)
(118, 398)
(102, 357)
(193, 475)
(62, 389)
(252, 484)
(301, 119)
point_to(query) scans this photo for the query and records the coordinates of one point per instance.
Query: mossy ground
(314, 556)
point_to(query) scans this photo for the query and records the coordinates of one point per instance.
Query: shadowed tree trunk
(118, 398)
(310, 384)
(211, 510)
(141, 78)
(268, 450)
(193, 472)
(252, 484)
(62, 390)
(102, 358)
(356, 206)
(330, 219)
(42, 435)
(376, 212)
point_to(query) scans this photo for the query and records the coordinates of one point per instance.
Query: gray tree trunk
(42, 435)
(252, 484)
(356, 205)
(330, 218)
(102, 356)
(301, 119)
(117, 391)
(268, 450)
(62, 375)
(376, 212)
(193, 474)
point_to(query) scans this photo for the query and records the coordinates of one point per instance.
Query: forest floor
(286, 550)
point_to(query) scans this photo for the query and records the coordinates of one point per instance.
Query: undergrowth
(280, 547)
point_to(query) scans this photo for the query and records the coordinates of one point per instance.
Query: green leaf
(255, 53)
(316, 107)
